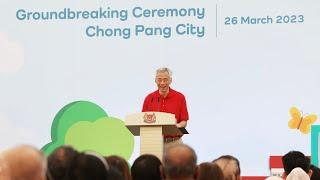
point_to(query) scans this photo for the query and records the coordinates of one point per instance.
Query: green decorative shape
(315, 132)
(106, 136)
(70, 114)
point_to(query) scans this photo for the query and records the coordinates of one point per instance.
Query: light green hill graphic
(86, 126)
(108, 136)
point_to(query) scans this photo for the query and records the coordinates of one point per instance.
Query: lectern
(151, 127)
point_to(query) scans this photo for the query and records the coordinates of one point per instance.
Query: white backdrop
(239, 80)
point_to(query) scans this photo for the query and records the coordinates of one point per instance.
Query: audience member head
(230, 167)
(115, 174)
(59, 162)
(146, 167)
(315, 172)
(295, 159)
(180, 162)
(88, 166)
(210, 171)
(120, 164)
(4, 169)
(23, 162)
(298, 174)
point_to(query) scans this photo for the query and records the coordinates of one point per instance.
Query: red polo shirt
(174, 103)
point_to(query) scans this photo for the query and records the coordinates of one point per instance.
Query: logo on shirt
(149, 118)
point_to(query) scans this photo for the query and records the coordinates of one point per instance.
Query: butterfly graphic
(301, 122)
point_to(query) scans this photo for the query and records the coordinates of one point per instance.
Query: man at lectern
(165, 99)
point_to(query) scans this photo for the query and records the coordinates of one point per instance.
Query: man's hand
(181, 124)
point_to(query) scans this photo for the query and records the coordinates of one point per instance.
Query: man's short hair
(210, 171)
(230, 166)
(120, 164)
(164, 69)
(88, 166)
(315, 172)
(295, 159)
(59, 162)
(146, 167)
(179, 160)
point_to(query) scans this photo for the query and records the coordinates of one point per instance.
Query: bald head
(230, 167)
(23, 162)
(179, 161)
